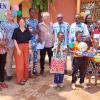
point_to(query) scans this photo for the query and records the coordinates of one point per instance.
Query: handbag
(57, 64)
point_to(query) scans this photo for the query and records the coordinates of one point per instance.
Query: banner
(4, 6)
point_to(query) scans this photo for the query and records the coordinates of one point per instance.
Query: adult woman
(21, 37)
(3, 51)
(89, 23)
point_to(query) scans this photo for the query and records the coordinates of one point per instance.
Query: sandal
(22, 83)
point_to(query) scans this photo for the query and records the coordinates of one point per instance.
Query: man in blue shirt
(78, 26)
(32, 24)
(61, 26)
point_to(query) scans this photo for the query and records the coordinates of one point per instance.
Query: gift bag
(57, 64)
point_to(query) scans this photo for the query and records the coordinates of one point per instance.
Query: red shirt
(95, 31)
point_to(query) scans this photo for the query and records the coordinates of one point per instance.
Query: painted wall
(66, 7)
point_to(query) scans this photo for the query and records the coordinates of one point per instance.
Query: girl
(21, 37)
(58, 48)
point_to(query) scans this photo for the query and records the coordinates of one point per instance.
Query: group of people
(16, 39)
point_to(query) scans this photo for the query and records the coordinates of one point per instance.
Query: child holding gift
(60, 52)
(78, 63)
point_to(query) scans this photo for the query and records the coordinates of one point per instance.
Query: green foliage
(41, 5)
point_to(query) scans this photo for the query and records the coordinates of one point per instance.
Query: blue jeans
(58, 78)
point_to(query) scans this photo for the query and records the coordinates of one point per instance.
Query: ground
(41, 88)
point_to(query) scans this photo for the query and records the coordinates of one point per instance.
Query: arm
(17, 47)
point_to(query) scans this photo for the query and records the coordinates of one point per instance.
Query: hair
(60, 33)
(45, 15)
(86, 18)
(21, 18)
(77, 14)
(77, 33)
(31, 9)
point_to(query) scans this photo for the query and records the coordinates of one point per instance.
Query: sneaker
(84, 85)
(73, 86)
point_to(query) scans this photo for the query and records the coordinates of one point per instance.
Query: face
(22, 23)
(77, 18)
(61, 37)
(98, 24)
(60, 20)
(9, 16)
(32, 13)
(89, 18)
(46, 19)
(79, 37)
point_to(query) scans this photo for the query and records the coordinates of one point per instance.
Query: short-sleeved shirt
(33, 23)
(64, 27)
(21, 37)
(9, 29)
(46, 34)
(78, 27)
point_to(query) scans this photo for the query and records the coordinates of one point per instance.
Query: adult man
(32, 24)
(9, 27)
(61, 26)
(78, 26)
(46, 38)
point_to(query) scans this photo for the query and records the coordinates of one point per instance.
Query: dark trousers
(58, 78)
(2, 65)
(79, 63)
(42, 56)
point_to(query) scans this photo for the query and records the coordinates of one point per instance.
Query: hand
(19, 52)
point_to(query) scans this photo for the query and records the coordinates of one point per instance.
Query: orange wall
(66, 7)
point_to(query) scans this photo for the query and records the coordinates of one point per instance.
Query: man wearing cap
(61, 26)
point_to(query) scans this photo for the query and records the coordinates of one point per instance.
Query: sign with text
(4, 6)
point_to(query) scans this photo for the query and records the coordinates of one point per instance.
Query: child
(78, 63)
(58, 48)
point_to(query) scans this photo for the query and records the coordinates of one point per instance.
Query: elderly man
(61, 26)
(9, 26)
(46, 38)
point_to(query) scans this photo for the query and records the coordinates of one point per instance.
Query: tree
(41, 5)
